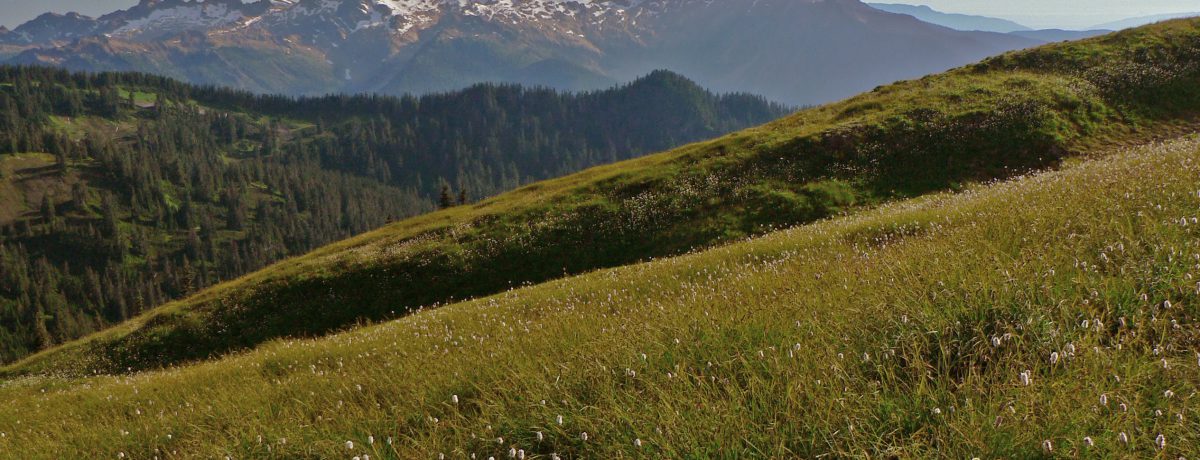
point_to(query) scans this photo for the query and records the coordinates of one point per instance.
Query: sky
(15, 12)
(1070, 14)
(1062, 14)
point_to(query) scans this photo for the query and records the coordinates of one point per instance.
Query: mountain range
(791, 51)
(1143, 20)
(953, 20)
(966, 22)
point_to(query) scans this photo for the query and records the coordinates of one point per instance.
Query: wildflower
(1169, 394)
(371, 440)
(1088, 440)
(521, 454)
(540, 436)
(559, 420)
(350, 445)
(1160, 442)
(1026, 378)
(583, 436)
(500, 440)
(637, 442)
(995, 341)
(1047, 446)
(1054, 358)
(1103, 399)
(389, 440)
(454, 399)
(512, 452)
(1123, 438)
(1124, 408)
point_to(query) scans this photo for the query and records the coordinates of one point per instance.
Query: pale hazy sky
(1059, 13)
(1033, 13)
(15, 12)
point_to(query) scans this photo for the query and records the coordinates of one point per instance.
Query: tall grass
(1053, 315)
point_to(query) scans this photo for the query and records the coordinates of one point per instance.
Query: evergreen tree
(444, 198)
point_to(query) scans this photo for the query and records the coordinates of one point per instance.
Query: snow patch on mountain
(190, 16)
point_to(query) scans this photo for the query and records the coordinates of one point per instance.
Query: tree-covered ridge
(120, 191)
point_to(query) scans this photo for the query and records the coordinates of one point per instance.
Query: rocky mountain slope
(797, 52)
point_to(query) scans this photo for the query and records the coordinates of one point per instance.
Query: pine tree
(444, 199)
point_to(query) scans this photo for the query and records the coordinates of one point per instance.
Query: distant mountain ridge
(1141, 21)
(796, 52)
(966, 22)
(953, 20)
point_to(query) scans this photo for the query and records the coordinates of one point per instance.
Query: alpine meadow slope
(1050, 316)
(1004, 116)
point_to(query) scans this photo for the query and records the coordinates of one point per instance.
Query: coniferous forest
(122, 191)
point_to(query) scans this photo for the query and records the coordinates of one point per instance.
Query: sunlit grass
(1051, 315)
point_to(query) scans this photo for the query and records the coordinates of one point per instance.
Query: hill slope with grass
(1014, 113)
(119, 192)
(1053, 315)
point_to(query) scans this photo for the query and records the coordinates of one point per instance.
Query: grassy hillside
(119, 192)
(1010, 114)
(1050, 316)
